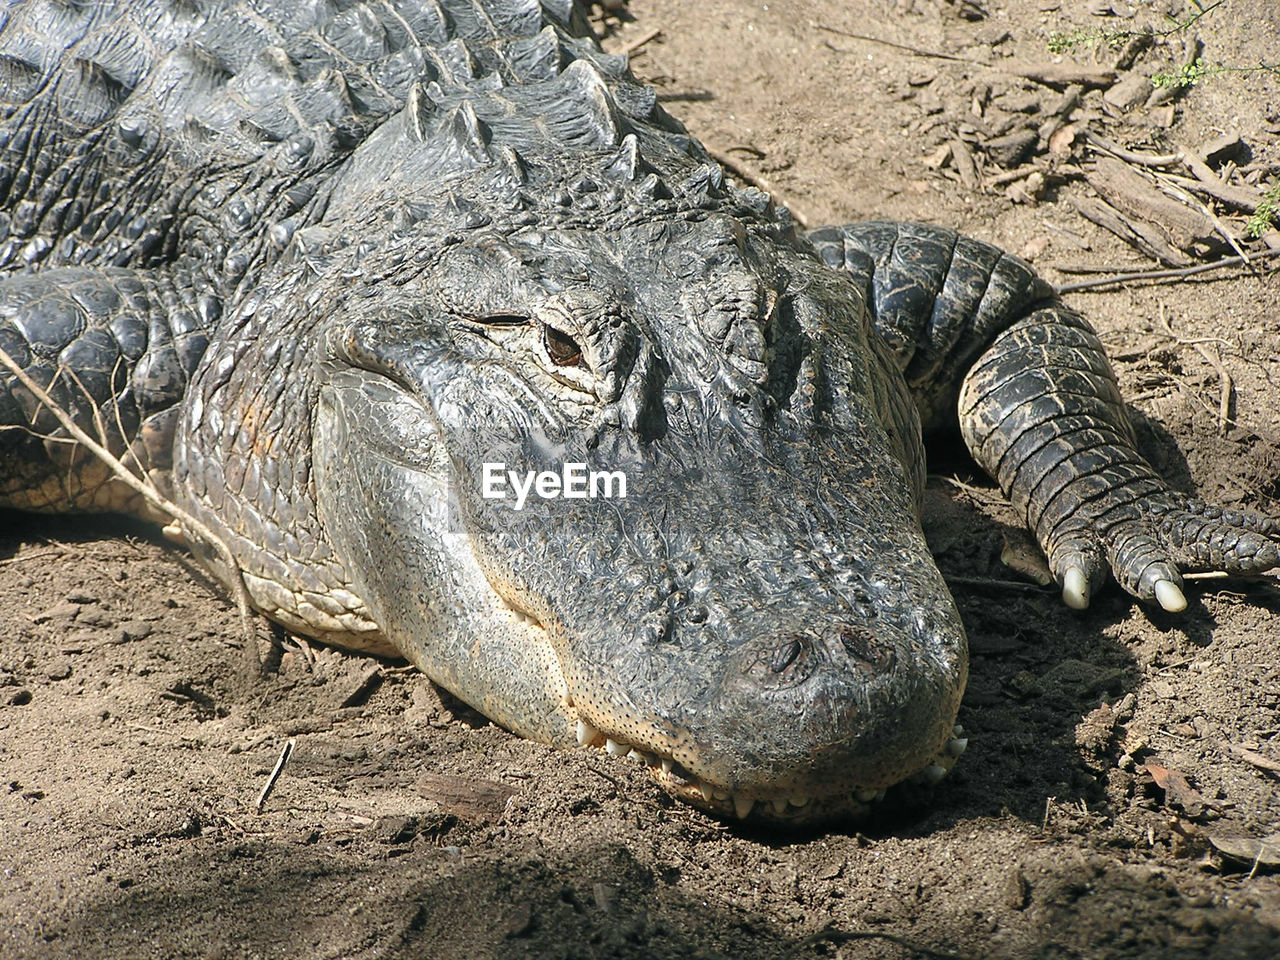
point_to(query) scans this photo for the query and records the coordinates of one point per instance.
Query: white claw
(742, 807)
(586, 733)
(1170, 597)
(1075, 589)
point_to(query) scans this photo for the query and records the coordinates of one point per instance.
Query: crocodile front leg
(1041, 412)
(115, 347)
(974, 330)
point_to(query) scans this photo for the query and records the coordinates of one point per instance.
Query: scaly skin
(315, 274)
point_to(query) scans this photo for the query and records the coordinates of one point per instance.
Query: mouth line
(854, 802)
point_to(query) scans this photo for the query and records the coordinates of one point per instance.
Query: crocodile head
(758, 618)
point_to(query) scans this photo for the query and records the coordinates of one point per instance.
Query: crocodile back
(133, 134)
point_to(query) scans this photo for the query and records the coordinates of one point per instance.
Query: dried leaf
(1022, 555)
(1264, 852)
(1060, 141)
(1176, 788)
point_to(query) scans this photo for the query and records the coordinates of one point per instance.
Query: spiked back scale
(259, 108)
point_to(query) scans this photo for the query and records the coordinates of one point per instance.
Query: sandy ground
(1109, 750)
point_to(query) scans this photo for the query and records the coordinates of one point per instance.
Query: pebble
(135, 630)
(59, 670)
(59, 611)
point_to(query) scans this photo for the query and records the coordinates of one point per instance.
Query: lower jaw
(850, 804)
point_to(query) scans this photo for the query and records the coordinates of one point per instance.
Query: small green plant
(1268, 212)
(1193, 73)
(1187, 76)
(1062, 42)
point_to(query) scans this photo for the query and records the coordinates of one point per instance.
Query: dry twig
(275, 774)
(747, 175)
(148, 492)
(1160, 275)
(1226, 388)
(631, 46)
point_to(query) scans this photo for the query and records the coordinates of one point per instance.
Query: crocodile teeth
(636, 756)
(798, 801)
(934, 773)
(586, 733)
(864, 796)
(957, 731)
(742, 807)
(666, 765)
(614, 748)
(956, 746)
(706, 792)
(778, 805)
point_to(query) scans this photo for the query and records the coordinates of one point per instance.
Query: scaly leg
(974, 330)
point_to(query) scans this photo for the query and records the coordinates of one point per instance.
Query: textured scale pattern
(311, 265)
(1042, 413)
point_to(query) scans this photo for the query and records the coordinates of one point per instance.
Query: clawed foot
(1151, 542)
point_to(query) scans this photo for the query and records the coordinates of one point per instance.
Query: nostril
(785, 655)
(782, 663)
(863, 647)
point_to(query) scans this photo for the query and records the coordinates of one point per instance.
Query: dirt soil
(1109, 750)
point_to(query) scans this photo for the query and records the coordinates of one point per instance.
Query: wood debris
(1160, 226)
(466, 797)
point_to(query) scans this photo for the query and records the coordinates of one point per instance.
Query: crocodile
(466, 352)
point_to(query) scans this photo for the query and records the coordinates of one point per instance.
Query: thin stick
(756, 180)
(30, 556)
(918, 51)
(149, 493)
(1237, 197)
(1015, 585)
(1131, 156)
(632, 46)
(275, 774)
(1178, 272)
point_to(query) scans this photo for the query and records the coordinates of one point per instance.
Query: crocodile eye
(503, 320)
(561, 348)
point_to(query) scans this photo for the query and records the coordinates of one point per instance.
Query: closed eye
(503, 320)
